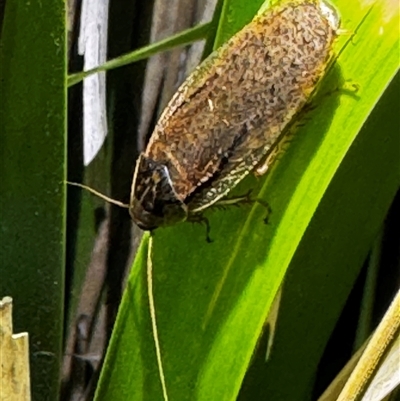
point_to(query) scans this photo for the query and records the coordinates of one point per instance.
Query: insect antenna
(100, 195)
(153, 318)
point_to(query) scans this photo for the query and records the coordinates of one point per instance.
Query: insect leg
(243, 200)
(199, 218)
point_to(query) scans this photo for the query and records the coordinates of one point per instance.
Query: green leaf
(32, 190)
(180, 39)
(329, 194)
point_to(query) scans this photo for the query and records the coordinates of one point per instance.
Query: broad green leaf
(32, 189)
(330, 255)
(328, 193)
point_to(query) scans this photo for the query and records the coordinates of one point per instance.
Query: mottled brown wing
(235, 107)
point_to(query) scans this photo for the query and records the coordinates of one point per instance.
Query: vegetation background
(331, 246)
